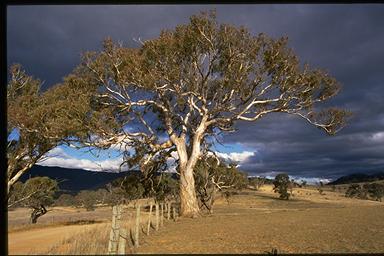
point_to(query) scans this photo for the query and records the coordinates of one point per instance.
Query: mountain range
(358, 177)
(74, 180)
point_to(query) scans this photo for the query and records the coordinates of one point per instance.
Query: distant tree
(86, 199)
(281, 184)
(36, 193)
(115, 196)
(375, 190)
(65, 200)
(303, 183)
(198, 80)
(130, 186)
(256, 182)
(101, 195)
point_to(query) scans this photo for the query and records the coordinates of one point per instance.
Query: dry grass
(253, 222)
(257, 222)
(18, 219)
(92, 240)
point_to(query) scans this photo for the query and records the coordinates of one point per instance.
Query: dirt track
(37, 240)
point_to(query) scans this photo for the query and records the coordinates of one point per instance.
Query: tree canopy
(38, 120)
(195, 81)
(281, 185)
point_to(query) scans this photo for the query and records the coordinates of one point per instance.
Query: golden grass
(92, 240)
(309, 222)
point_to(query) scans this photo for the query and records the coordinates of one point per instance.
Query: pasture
(251, 222)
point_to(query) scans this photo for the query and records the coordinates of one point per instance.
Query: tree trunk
(37, 213)
(189, 205)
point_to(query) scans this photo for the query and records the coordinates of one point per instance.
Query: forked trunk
(189, 205)
(37, 213)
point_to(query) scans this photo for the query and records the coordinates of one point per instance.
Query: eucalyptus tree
(281, 185)
(36, 193)
(38, 121)
(190, 83)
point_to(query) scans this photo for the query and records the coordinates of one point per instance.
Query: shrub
(256, 182)
(355, 190)
(375, 190)
(281, 184)
(65, 200)
(86, 199)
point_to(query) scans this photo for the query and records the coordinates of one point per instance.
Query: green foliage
(281, 184)
(33, 193)
(197, 80)
(375, 190)
(46, 119)
(356, 190)
(65, 200)
(256, 182)
(131, 187)
(165, 187)
(86, 199)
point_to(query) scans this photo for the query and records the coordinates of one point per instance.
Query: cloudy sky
(345, 40)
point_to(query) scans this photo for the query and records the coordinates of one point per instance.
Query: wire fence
(131, 221)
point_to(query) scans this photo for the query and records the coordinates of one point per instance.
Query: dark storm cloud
(345, 40)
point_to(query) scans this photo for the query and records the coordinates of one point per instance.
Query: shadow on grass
(270, 197)
(82, 222)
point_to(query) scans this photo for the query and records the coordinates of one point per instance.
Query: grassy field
(252, 222)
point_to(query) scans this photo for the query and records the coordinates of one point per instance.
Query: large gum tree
(174, 92)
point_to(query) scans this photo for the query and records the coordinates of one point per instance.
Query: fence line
(115, 230)
(137, 227)
(157, 216)
(149, 218)
(162, 214)
(119, 237)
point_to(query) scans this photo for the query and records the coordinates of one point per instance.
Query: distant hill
(358, 177)
(74, 180)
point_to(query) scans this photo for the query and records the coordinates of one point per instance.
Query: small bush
(375, 190)
(65, 200)
(357, 191)
(281, 184)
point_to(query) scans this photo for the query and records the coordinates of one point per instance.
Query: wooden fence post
(157, 216)
(149, 218)
(162, 215)
(174, 213)
(137, 226)
(168, 210)
(115, 230)
(122, 241)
